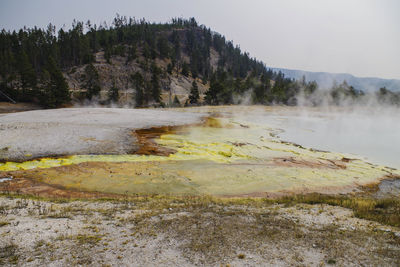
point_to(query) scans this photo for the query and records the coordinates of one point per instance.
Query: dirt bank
(6, 107)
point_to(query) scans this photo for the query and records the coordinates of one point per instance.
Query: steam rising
(342, 119)
(363, 124)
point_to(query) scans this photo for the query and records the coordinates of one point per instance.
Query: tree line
(33, 60)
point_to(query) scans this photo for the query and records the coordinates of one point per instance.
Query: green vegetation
(54, 91)
(113, 94)
(388, 97)
(4, 223)
(32, 61)
(194, 93)
(9, 252)
(345, 94)
(155, 83)
(92, 82)
(138, 83)
(385, 211)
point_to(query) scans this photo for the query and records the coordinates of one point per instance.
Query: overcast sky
(361, 37)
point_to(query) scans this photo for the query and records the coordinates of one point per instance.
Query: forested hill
(135, 62)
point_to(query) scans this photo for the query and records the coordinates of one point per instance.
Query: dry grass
(385, 211)
(8, 254)
(208, 235)
(4, 223)
(208, 230)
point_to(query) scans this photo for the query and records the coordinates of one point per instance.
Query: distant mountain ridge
(325, 80)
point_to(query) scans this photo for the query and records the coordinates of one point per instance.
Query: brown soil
(6, 107)
(147, 136)
(26, 186)
(147, 144)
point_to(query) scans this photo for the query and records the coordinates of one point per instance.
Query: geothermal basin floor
(214, 151)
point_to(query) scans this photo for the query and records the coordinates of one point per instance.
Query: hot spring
(237, 151)
(373, 134)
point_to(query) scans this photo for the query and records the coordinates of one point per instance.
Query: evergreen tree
(310, 88)
(28, 78)
(55, 89)
(163, 47)
(215, 89)
(138, 84)
(155, 84)
(47, 95)
(259, 94)
(194, 93)
(195, 62)
(177, 45)
(113, 93)
(131, 53)
(146, 51)
(185, 69)
(92, 82)
(169, 68)
(24, 54)
(261, 91)
(107, 55)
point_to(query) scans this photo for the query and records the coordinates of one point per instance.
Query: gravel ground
(32, 134)
(153, 233)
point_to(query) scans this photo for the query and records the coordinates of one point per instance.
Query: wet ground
(235, 152)
(80, 131)
(388, 188)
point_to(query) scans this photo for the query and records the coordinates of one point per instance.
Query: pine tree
(260, 91)
(259, 94)
(92, 83)
(191, 48)
(28, 78)
(107, 55)
(169, 68)
(212, 94)
(47, 97)
(194, 93)
(163, 47)
(155, 88)
(113, 93)
(131, 53)
(155, 84)
(55, 89)
(146, 51)
(138, 84)
(185, 69)
(177, 45)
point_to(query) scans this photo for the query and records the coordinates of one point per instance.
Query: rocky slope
(118, 73)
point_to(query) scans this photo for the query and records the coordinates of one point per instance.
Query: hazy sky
(361, 37)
